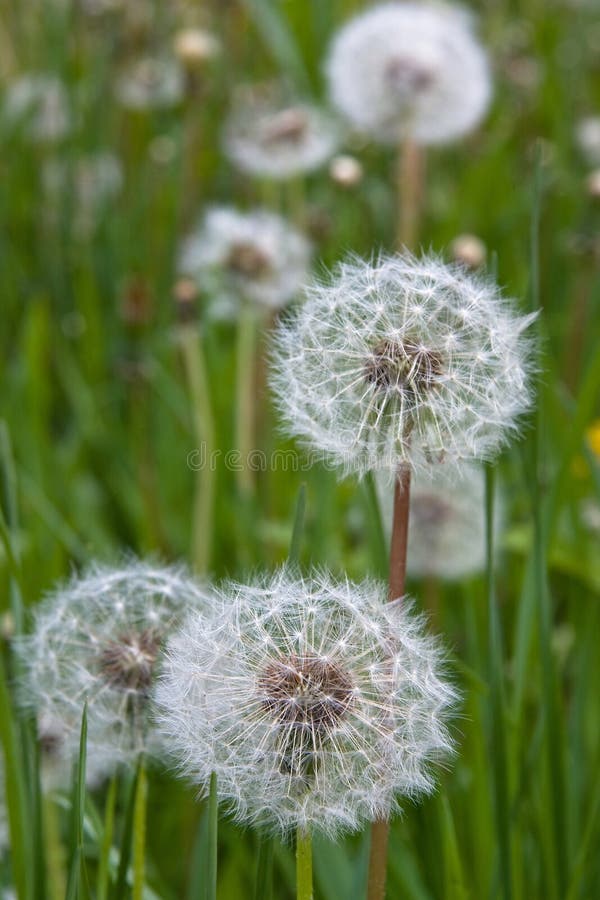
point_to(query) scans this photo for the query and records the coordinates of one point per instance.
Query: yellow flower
(593, 437)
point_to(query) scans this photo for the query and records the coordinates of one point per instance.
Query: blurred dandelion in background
(316, 704)
(150, 83)
(94, 180)
(98, 640)
(251, 256)
(39, 104)
(410, 70)
(270, 137)
(446, 538)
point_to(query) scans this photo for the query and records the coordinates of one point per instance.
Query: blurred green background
(98, 418)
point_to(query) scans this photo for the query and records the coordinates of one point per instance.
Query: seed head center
(248, 260)
(305, 691)
(407, 76)
(128, 662)
(286, 127)
(403, 367)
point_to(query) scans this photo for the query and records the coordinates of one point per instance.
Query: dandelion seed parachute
(403, 361)
(255, 256)
(316, 703)
(269, 138)
(98, 639)
(410, 70)
(446, 538)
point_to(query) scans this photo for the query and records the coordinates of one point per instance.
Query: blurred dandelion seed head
(316, 703)
(150, 83)
(269, 138)
(39, 103)
(97, 639)
(446, 537)
(403, 361)
(255, 256)
(410, 70)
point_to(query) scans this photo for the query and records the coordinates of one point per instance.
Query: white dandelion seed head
(270, 137)
(150, 83)
(94, 179)
(39, 103)
(99, 639)
(446, 534)
(255, 256)
(316, 703)
(403, 361)
(410, 70)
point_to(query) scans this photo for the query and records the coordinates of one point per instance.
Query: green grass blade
(107, 841)
(16, 797)
(78, 886)
(271, 24)
(497, 705)
(298, 528)
(263, 887)
(121, 890)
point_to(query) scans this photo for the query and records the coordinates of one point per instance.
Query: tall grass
(99, 422)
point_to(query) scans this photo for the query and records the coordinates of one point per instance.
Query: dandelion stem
(410, 182)
(139, 832)
(399, 540)
(211, 863)
(397, 578)
(204, 430)
(304, 881)
(246, 408)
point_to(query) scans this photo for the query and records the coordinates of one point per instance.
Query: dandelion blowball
(255, 256)
(403, 361)
(446, 538)
(410, 70)
(316, 703)
(269, 138)
(98, 639)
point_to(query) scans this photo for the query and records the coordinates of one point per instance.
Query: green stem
(213, 824)
(304, 880)
(204, 431)
(246, 397)
(107, 841)
(139, 832)
(497, 703)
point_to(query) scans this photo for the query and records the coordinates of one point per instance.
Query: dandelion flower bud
(410, 70)
(194, 47)
(268, 138)
(255, 256)
(98, 639)
(346, 171)
(446, 538)
(403, 361)
(40, 104)
(468, 250)
(150, 83)
(316, 703)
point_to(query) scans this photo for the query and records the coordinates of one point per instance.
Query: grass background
(98, 425)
